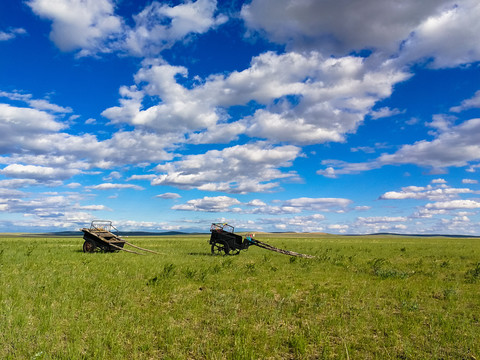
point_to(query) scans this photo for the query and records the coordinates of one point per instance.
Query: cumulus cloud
(455, 146)
(291, 206)
(92, 27)
(18, 123)
(381, 224)
(381, 219)
(158, 26)
(208, 204)
(35, 138)
(318, 204)
(308, 223)
(453, 205)
(48, 209)
(79, 24)
(444, 31)
(238, 169)
(471, 103)
(339, 27)
(37, 172)
(429, 193)
(307, 98)
(448, 37)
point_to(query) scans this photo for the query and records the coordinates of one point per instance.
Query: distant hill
(242, 233)
(421, 235)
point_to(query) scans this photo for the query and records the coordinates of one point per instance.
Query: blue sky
(272, 115)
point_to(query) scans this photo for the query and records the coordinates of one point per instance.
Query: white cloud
(342, 228)
(469, 181)
(309, 99)
(93, 207)
(448, 37)
(11, 34)
(114, 175)
(318, 204)
(471, 103)
(110, 186)
(381, 219)
(208, 204)
(37, 172)
(428, 193)
(455, 146)
(17, 124)
(238, 169)
(453, 205)
(168, 196)
(79, 24)
(91, 26)
(441, 122)
(339, 27)
(158, 26)
(256, 202)
(445, 31)
(47, 106)
(380, 224)
(309, 223)
(385, 112)
(38, 104)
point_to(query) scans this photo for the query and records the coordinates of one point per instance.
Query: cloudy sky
(276, 115)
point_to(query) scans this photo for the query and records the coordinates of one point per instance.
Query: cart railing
(103, 225)
(222, 226)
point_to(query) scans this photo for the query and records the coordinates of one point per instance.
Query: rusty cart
(224, 241)
(103, 236)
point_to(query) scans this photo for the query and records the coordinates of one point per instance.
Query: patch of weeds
(30, 249)
(444, 264)
(215, 269)
(324, 256)
(473, 275)
(153, 281)
(274, 268)
(297, 344)
(202, 275)
(419, 263)
(292, 259)
(168, 270)
(380, 269)
(410, 305)
(403, 249)
(449, 294)
(227, 262)
(250, 267)
(189, 273)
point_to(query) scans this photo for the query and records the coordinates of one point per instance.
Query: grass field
(360, 298)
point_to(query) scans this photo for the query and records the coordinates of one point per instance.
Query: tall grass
(361, 297)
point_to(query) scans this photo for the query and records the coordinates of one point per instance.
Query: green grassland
(365, 297)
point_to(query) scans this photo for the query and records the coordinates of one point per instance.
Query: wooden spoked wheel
(88, 247)
(220, 248)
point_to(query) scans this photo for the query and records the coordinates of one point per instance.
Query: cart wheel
(220, 247)
(88, 247)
